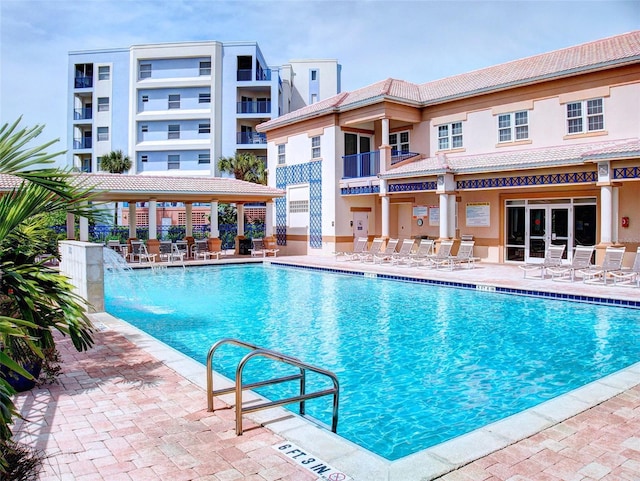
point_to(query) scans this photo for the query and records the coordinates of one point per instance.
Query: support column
(451, 212)
(215, 230)
(444, 216)
(188, 208)
(84, 229)
(268, 221)
(386, 202)
(385, 149)
(616, 214)
(153, 219)
(240, 211)
(132, 221)
(606, 214)
(71, 226)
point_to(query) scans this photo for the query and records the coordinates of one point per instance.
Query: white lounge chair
(581, 260)
(201, 250)
(464, 255)
(425, 250)
(359, 244)
(443, 256)
(612, 262)
(139, 251)
(403, 256)
(387, 254)
(552, 258)
(270, 247)
(374, 248)
(628, 277)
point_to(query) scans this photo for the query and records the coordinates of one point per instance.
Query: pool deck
(133, 409)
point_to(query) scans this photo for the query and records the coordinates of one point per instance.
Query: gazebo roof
(142, 188)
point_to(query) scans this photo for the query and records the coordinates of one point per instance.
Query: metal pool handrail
(276, 356)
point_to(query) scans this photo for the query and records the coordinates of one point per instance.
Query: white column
(188, 208)
(451, 212)
(215, 230)
(385, 131)
(153, 219)
(444, 216)
(84, 229)
(385, 150)
(386, 202)
(268, 221)
(132, 220)
(606, 211)
(71, 226)
(616, 214)
(240, 210)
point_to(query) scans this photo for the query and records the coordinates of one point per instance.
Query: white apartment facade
(538, 151)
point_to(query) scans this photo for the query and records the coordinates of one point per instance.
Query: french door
(547, 225)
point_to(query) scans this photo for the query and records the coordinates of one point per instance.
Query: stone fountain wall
(83, 264)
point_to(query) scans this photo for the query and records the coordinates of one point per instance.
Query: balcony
(83, 82)
(259, 107)
(85, 113)
(366, 164)
(397, 156)
(85, 143)
(251, 138)
(246, 75)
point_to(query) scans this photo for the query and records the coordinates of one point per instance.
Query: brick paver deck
(119, 414)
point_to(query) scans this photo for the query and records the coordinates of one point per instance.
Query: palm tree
(244, 166)
(34, 299)
(115, 162)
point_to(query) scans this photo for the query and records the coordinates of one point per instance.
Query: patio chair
(270, 247)
(581, 260)
(628, 277)
(166, 248)
(257, 247)
(403, 256)
(552, 258)
(374, 248)
(201, 250)
(139, 251)
(387, 254)
(443, 256)
(359, 245)
(464, 255)
(183, 247)
(612, 262)
(421, 256)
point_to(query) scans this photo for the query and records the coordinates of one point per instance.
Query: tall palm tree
(34, 299)
(244, 166)
(115, 162)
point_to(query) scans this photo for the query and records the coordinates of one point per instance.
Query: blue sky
(418, 41)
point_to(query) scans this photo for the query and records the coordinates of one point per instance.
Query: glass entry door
(547, 225)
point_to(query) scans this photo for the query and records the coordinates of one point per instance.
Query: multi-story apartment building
(538, 151)
(176, 108)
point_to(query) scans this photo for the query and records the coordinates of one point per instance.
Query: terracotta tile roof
(617, 50)
(174, 187)
(520, 159)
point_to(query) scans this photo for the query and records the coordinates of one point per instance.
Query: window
(103, 104)
(104, 73)
(98, 163)
(145, 98)
(103, 134)
(314, 98)
(173, 132)
(315, 147)
(399, 142)
(281, 154)
(174, 101)
(298, 206)
(205, 68)
(173, 162)
(314, 75)
(204, 128)
(585, 116)
(450, 136)
(204, 158)
(144, 128)
(204, 98)
(513, 126)
(144, 158)
(145, 70)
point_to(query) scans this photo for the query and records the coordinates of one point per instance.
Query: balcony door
(359, 147)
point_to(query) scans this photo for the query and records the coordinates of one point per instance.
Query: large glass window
(513, 126)
(450, 136)
(585, 116)
(399, 142)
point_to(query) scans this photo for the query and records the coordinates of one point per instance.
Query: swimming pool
(418, 364)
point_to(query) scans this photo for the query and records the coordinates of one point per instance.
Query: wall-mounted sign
(478, 214)
(434, 215)
(420, 211)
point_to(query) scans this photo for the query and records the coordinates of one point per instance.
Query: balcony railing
(258, 107)
(84, 82)
(397, 156)
(245, 75)
(251, 138)
(366, 164)
(84, 143)
(85, 113)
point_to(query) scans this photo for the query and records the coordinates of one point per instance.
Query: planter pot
(21, 383)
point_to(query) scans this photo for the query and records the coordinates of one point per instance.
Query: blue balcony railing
(258, 107)
(397, 156)
(83, 82)
(245, 75)
(366, 164)
(82, 143)
(251, 138)
(85, 113)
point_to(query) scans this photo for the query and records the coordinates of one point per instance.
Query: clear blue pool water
(418, 364)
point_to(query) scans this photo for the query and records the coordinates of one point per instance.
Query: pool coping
(424, 465)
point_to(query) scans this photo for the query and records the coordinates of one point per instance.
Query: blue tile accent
(626, 173)
(412, 186)
(364, 189)
(549, 179)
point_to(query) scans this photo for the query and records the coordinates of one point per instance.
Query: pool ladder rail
(239, 386)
